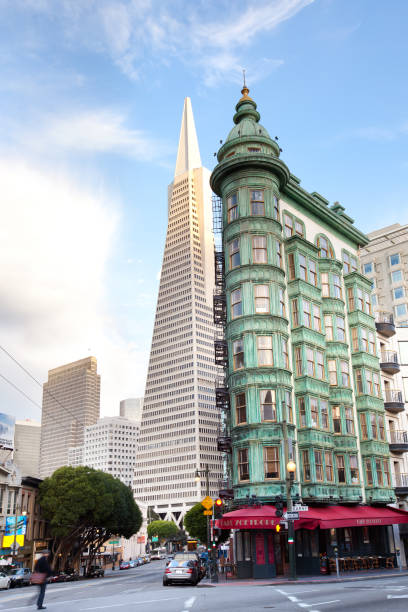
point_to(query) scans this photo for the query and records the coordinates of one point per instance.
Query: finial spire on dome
(245, 90)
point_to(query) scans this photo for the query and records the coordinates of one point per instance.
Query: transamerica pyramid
(180, 420)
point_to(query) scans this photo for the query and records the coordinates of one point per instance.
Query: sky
(91, 96)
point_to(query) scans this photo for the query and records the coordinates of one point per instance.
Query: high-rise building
(131, 408)
(111, 445)
(305, 412)
(180, 417)
(384, 260)
(71, 401)
(27, 438)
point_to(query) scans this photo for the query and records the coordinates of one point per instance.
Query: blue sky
(91, 94)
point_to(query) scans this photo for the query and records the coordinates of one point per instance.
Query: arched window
(325, 247)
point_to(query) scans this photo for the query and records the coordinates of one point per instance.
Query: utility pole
(290, 468)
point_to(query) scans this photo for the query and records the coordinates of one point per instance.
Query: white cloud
(133, 32)
(55, 243)
(98, 131)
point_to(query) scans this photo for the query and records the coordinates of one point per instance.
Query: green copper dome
(247, 119)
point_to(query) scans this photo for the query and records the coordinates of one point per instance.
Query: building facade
(26, 454)
(296, 311)
(111, 446)
(131, 408)
(71, 401)
(180, 418)
(384, 260)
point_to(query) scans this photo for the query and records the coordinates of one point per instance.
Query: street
(141, 589)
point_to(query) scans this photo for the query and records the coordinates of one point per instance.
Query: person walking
(42, 571)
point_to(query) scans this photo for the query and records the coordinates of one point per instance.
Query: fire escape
(222, 398)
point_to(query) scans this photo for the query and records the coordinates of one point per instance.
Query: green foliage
(196, 524)
(163, 529)
(86, 507)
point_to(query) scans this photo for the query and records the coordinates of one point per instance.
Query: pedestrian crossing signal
(277, 528)
(218, 502)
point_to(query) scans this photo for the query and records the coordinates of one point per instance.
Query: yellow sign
(207, 502)
(207, 512)
(8, 540)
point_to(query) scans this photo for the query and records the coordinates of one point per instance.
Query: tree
(196, 524)
(85, 507)
(162, 529)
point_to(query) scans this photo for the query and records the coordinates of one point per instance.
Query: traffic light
(218, 503)
(277, 528)
(279, 506)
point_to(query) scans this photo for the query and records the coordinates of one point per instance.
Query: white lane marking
(298, 592)
(292, 598)
(134, 603)
(189, 602)
(318, 603)
(397, 596)
(282, 592)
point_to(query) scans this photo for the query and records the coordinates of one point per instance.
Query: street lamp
(197, 478)
(291, 469)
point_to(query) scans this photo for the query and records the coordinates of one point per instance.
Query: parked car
(71, 575)
(5, 581)
(147, 558)
(140, 561)
(179, 571)
(95, 571)
(133, 563)
(20, 576)
(60, 577)
(124, 565)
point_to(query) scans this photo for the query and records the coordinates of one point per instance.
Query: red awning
(263, 517)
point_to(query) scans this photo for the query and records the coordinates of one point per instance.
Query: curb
(233, 582)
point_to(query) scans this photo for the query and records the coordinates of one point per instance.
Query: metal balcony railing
(384, 323)
(401, 481)
(384, 317)
(219, 261)
(219, 307)
(393, 396)
(389, 357)
(398, 437)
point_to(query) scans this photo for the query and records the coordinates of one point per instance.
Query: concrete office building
(71, 401)
(26, 455)
(180, 417)
(111, 446)
(131, 408)
(384, 261)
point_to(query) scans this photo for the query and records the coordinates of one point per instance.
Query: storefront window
(238, 544)
(247, 546)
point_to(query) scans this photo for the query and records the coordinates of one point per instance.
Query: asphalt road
(140, 590)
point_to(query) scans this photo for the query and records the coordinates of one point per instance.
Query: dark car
(95, 571)
(180, 571)
(71, 575)
(20, 576)
(60, 577)
(124, 565)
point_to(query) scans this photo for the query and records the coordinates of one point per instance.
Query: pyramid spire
(188, 155)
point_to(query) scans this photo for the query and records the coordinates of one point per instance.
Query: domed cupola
(248, 143)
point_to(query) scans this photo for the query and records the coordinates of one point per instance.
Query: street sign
(207, 512)
(299, 508)
(291, 516)
(113, 542)
(207, 502)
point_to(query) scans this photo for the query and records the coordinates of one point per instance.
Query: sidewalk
(321, 579)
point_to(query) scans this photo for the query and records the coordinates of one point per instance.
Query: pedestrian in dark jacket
(42, 567)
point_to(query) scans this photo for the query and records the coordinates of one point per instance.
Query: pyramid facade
(180, 420)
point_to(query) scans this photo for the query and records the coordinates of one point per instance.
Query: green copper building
(299, 345)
